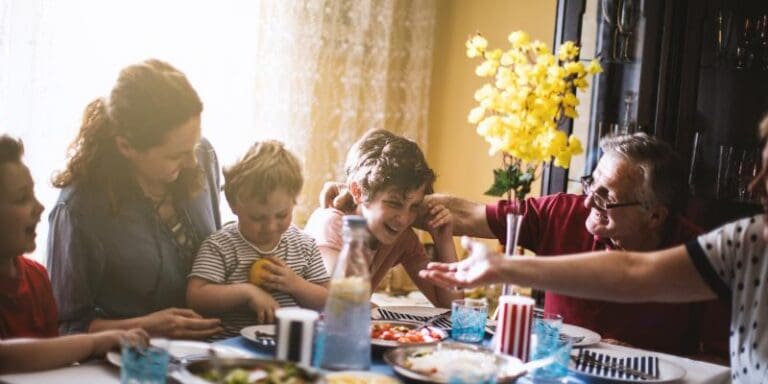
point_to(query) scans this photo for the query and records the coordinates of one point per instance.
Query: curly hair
(266, 167)
(381, 160)
(148, 100)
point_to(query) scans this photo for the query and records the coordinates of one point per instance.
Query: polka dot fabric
(733, 261)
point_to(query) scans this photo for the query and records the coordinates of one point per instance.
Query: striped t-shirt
(226, 258)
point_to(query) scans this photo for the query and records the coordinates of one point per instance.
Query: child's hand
(439, 221)
(263, 305)
(109, 340)
(280, 277)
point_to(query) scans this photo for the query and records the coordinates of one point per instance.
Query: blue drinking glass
(143, 365)
(545, 343)
(468, 318)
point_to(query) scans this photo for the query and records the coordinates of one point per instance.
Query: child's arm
(282, 278)
(208, 297)
(439, 223)
(23, 355)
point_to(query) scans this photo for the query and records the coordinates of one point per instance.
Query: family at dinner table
(137, 249)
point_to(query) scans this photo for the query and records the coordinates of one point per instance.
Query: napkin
(441, 322)
(603, 365)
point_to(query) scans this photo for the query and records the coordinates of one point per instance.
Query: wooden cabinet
(692, 72)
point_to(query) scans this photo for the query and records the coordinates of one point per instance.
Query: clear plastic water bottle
(347, 316)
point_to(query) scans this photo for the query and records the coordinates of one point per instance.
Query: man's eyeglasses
(600, 202)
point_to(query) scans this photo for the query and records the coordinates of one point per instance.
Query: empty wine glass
(744, 49)
(723, 171)
(722, 33)
(628, 124)
(625, 22)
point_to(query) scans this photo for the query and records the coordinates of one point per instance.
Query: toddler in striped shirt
(251, 267)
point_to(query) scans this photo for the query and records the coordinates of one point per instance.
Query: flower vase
(513, 232)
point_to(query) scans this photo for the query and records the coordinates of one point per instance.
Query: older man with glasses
(632, 201)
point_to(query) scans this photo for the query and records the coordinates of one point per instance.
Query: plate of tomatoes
(395, 333)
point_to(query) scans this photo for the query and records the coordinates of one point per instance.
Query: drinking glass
(468, 318)
(144, 365)
(557, 371)
(745, 173)
(723, 171)
(545, 342)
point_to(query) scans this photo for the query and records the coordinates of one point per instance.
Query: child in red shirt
(27, 307)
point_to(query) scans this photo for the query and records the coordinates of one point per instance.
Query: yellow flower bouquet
(530, 92)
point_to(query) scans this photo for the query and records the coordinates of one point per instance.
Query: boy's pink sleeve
(325, 227)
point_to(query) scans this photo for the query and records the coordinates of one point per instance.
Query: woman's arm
(209, 297)
(663, 276)
(174, 323)
(23, 355)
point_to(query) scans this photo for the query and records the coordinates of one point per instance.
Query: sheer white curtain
(313, 73)
(336, 68)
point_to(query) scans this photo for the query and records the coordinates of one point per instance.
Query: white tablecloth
(98, 372)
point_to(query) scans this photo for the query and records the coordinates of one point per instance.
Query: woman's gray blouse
(116, 266)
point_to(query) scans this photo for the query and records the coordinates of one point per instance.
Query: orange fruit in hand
(256, 277)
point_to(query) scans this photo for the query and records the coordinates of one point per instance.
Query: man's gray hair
(664, 173)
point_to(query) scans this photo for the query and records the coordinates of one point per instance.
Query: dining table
(100, 371)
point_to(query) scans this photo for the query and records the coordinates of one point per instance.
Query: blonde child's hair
(266, 167)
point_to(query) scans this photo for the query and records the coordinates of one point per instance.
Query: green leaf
(502, 182)
(512, 179)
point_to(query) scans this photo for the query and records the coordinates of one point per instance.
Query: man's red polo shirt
(555, 225)
(27, 306)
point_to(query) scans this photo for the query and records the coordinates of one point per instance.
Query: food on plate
(358, 378)
(268, 374)
(444, 362)
(404, 334)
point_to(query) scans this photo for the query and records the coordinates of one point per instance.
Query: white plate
(509, 368)
(409, 310)
(589, 337)
(265, 332)
(183, 348)
(668, 371)
(359, 377)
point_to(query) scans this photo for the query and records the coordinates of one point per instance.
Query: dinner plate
(359, 377)
(582, 337)
(668, 371)
(410, 325)
(193, 372)
(509, 368)
(183, 349)
(263, 335)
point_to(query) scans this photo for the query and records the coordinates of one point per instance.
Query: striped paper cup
(513, 330)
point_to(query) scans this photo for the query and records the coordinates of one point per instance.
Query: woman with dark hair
(138, 196)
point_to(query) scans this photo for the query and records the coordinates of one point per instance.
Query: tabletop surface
(100, 371)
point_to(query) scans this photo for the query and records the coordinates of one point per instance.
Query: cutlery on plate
(428, 322)
(585, 360)
(263, 335)
(572, 339)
